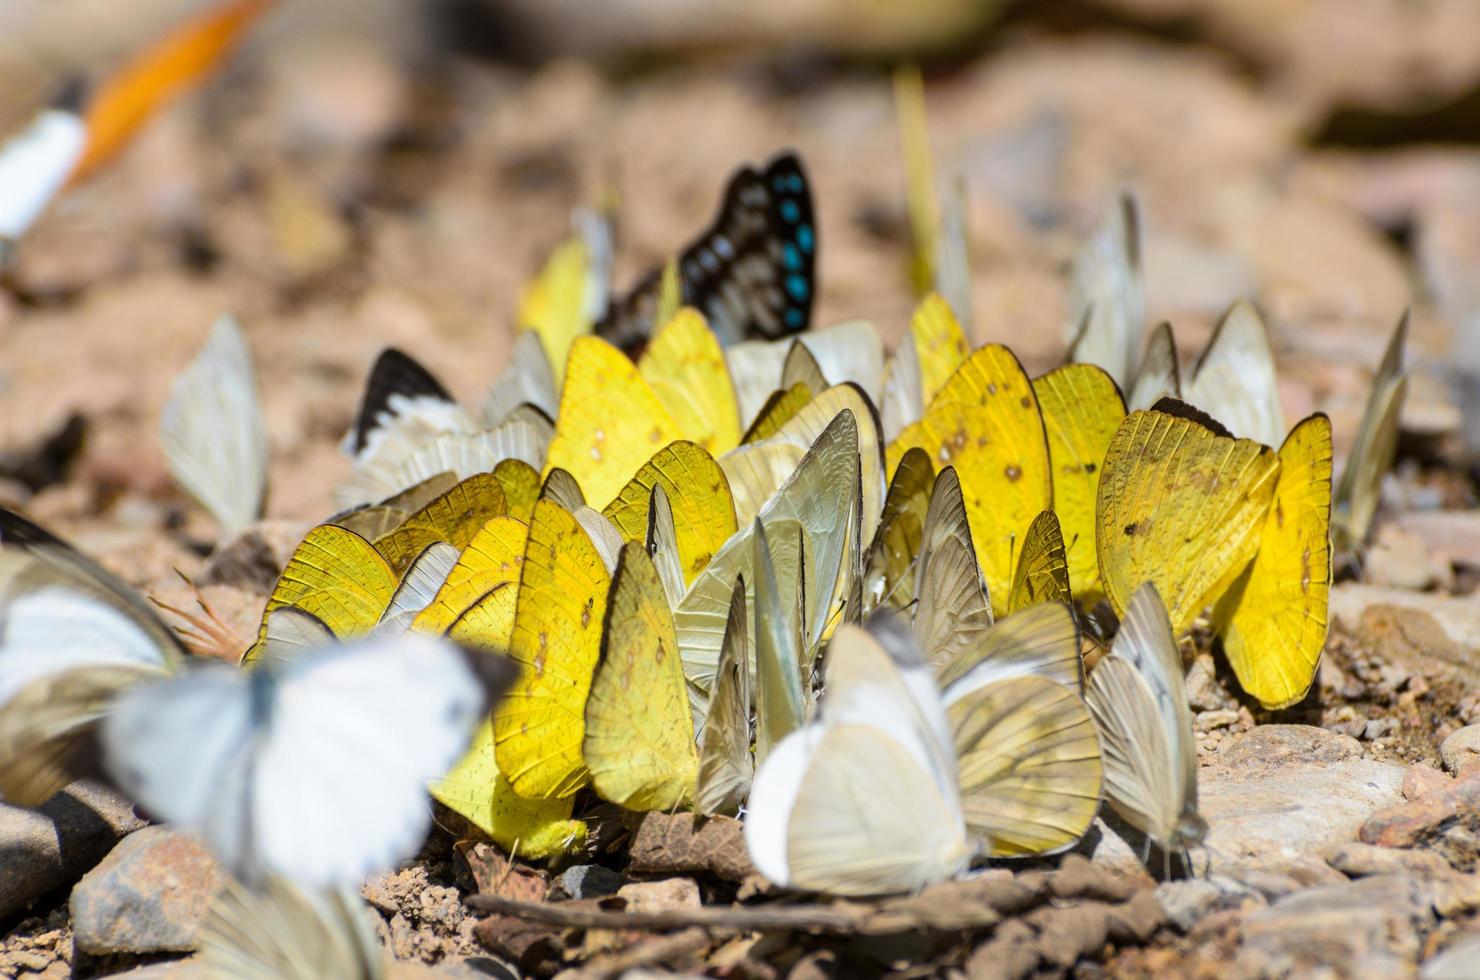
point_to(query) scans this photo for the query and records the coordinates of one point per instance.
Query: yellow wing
(985, 423)
(453, 517)
(494, 557)
(940, 344)
(337, 576)
(698, 493)
(914, 144)
(556, 639)
(639, 742)
(685, 366)
(533, 829)
(1181, 505)
(1081, 409)
(1273, 621)
(554, 303)
(1028, 765)
(778, 410)
(889, 566)
(1042, 573)
(521, 486)
(610, 420)
(489, 622)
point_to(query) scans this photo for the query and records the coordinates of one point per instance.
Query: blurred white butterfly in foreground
(313, 769)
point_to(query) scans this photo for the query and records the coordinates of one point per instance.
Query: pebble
(1409, 823)
(659, 896)
(149, 895)
(1203, 692)
(1461, 750)
(1423, 781)
(1209, 721)
(1376, 728)
(1359, 860)
(52, 846)
(1185, 902)
(590, 881)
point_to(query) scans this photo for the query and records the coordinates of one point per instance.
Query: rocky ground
(342, 188)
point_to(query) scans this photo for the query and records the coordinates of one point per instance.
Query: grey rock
(1461, 749)
(50, 847)
(1186, 902)
(150, 895)
(1460, 960)
(1360, 860)
(1203, 692)
(590, 881)
(1371, 927)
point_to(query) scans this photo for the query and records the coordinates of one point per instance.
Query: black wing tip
(70, 95)
(17, 529)
(1182, 410)
(394, 373)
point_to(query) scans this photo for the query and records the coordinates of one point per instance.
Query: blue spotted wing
(750, 273)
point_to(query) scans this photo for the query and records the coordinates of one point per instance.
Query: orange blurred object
(173, 64)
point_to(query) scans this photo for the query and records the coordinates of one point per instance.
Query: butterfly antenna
(203, 633)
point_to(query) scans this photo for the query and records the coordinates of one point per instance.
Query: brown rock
(1408, 824)
(1077, 877)
(659, 896)
(1363, 928)
(149, 895)
(1461, 750)
(1011, 953)
(1359, 860)
(1269, 747)
(50, 847)
(1423, 781)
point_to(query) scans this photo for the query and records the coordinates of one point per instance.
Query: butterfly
(1234, 380)
(1360, 489)
(1181, 504)
(1108, 295)
(280, 931)
(73, 639)
(751, 273)
(1272, 620)
(213, 432)
(311, 766)
(35, 164)
(1139, 701)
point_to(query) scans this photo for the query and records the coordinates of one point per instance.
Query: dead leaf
(682, 844)
(495, 874)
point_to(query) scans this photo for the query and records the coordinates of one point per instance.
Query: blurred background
(371, 172)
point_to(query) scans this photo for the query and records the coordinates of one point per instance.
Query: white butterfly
(213, 433)
(282, 932)
(313, 769)
(864, 799)
(1234, 380)
(34, 166)
(1139, 701)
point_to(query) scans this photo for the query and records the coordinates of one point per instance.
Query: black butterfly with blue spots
(751, 273)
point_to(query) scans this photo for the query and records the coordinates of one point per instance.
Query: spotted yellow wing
(639, 742)
(1081, 410)
(610, 420)
(1027, 763)
(685, 367)
(698, 493)
(533, 829)
(337, 576)
(1181, 505)
(1042, 572)
(556, 639)
(1273, 620)
(940, 344)
(492, 558)
(454, 517)
(985, 423)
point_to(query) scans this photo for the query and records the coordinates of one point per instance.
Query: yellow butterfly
(684, 365)
(985, 423)
(1042, 573)
(610, 420)
(556, 639)
(698, 493)
(939, 344)
(1081, 410)
(1181, 505)
(639, 734)
(778, 410)
(570, 292)
(338, 577)
(454, 517)
(1273, 620)
(493, 558)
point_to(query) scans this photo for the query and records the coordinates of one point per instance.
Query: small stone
(1360, 860)
(52, 846)
(659, 896)
(149, 895)
(1376, 728)
(1422, 781)
(1209, 721)
(590, 881)
(1185, 902)
(1203, 692)
(1461, 750)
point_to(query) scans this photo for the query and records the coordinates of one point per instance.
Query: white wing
(1042, 640)
(284, 933)
(725, 763)
(34, 165)
(527, 380)
(849, 352)
(780, 702)
(603, 534)
(213, 433)
(292, 633)
(459, 452)
(419, 586)
(662, 545)
(953, 612)
(1107, 310)
(1159, 375)
(902, 400)
(1234, 380)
